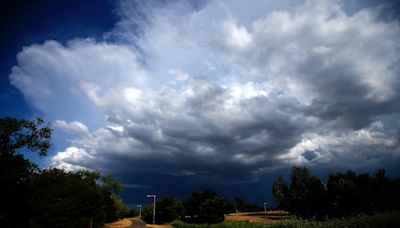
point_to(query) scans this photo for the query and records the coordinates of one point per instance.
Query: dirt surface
(158, 226)
(123, 223)
(267, 217)
(126, 223)
(138, 224)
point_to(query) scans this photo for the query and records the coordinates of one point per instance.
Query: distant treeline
(200, 207)
(33, 197)
(343, 194)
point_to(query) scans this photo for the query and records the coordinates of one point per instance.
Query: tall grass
(384, 220)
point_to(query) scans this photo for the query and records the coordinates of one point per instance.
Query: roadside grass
(384, 220)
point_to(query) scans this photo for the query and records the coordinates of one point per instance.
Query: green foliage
(280, 191)
(305, 197)
(132, 212)
(113, 206)
(351, 193)
(31, 197)
(17, 134)
(121, 208)
(168, 209)
(343, 194)
(306, 194)
(65, 199)
(147, 214)
(205, 207)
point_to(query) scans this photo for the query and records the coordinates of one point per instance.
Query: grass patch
(384, 220)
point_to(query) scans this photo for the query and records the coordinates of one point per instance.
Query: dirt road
(137, 224)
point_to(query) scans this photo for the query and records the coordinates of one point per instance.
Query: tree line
(34, 197)
(342, 194)
(200, 207)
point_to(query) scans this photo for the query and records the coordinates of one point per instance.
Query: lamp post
(154, 207)
(265, 207)
(140, 211)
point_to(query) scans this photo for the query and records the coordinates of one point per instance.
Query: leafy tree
(306, 194)
(16, 136)
(344, 194)
(147, 213)
(30, 197)
(65, 199)
(205, 207)
(352, 193)
(280, 191)
(122, 209)
(114, 207)
(168, 209)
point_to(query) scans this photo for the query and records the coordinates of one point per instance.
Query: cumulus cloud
(213, 91)
(74, 127)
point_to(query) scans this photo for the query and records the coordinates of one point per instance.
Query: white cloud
(370, 145)
(72, 159)
(74, 127)
(203, 89)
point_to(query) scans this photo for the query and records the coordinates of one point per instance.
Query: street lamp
(140, 211)
(154, 207)
(265, 207)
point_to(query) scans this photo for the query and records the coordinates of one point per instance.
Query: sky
(180, 96)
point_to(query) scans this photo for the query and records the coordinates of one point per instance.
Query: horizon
(174, 97)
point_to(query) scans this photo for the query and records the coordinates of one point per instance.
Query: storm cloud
(222, 91)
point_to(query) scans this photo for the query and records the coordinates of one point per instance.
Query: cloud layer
(222, 90)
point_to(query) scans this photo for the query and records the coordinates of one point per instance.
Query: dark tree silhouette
(31, 197)
(205, 207)
(168, 209)
(344, 194)
(280, 191)
(15, 136)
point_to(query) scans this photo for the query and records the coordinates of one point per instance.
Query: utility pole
(265, 207)
(154, 207)
(140, 211)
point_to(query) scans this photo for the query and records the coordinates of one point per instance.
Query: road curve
(137, 224)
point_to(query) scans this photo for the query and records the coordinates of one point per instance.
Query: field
(265, 217)
(380, 220)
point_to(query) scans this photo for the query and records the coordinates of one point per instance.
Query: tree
(205, 207)
(65, 199)
(306, 194)
(16, 136)
(280, 192)
(30, 197)
(147, 213)
(114, 207)
(168, 209)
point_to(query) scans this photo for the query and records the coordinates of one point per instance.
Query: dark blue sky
(26, 22)
(186, 95)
